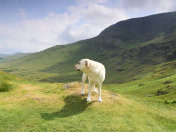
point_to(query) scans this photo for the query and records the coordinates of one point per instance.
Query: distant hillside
(4, 55)
(130, 50)
(12, 57)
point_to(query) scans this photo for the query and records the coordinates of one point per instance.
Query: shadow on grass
(74, 104)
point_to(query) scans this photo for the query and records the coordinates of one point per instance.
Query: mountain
(12, 57)
(130, 50)
(4, 55)
(141, 29)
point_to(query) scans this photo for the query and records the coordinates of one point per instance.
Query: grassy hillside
(129, 50)
(12, 57)
(4, 55)
(133, 106)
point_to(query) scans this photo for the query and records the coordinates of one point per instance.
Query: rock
(66, 86)
(167, 82)
(114, 95)
(161, 92)
(38, 99)
(169, 86)
(71, 85)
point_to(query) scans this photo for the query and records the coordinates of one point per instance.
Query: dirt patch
(107, 97)
(28, 87)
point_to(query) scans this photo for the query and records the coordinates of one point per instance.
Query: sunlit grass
(35, 106)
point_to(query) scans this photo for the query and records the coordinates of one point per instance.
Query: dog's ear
(87, 63)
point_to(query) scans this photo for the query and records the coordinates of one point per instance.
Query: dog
(95, 72)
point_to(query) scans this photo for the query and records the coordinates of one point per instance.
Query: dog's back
(97, 71)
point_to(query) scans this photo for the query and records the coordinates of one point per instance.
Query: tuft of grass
(174, 102)
(5, 86)
(166, 102)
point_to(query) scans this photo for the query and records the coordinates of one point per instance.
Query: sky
(34, 25)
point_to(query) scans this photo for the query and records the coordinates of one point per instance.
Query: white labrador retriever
(95, 72)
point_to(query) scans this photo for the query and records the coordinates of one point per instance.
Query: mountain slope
(142, 29)
(130, 50)
(12, 57)
(4, 55)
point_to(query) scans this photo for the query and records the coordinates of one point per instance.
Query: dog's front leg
(89, 92)
(84, 78)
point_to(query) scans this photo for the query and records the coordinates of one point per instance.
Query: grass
(36, 106)
(5, 86)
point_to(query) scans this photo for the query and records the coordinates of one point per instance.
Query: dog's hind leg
(99, 92)
(89, 92)
(84, 78)
(95, 90)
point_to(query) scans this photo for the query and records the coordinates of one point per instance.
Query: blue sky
(34, 8)
(34, 25)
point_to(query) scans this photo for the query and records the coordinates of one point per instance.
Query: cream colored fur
(95, 72)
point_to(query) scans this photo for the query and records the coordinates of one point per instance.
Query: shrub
(166, 102)
(174, 102)
(5, 86)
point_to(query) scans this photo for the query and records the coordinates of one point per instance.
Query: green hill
(12, 57)
(130, 50)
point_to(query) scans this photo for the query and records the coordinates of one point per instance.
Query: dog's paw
(82, 92)
(100, 100)
(88, 99)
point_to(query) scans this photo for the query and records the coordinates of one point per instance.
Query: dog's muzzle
(76, 68)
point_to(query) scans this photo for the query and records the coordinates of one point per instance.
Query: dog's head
(82, 65)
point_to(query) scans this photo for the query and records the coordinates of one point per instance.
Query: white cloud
(90, 2)
(165, 5)
(155, 6)
(83, 21)
(93, 19)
